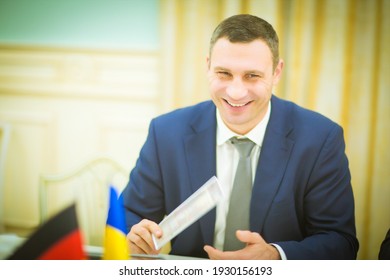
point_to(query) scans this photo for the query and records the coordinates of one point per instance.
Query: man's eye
(223, 74)
(252, 76)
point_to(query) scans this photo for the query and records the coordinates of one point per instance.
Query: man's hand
(139, 239)
(256, 249)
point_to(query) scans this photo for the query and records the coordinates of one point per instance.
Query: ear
(208, 62)
(278, 72)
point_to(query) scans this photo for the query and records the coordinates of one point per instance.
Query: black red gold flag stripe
(58, 239)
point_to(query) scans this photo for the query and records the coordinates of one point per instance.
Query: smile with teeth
(237, 105)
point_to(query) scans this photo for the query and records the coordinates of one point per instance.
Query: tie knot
(244, 146)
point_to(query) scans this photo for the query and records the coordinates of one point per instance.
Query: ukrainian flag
(115, 245)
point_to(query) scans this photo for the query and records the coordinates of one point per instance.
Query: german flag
(58, 239)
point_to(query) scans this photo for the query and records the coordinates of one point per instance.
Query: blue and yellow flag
(115, 245)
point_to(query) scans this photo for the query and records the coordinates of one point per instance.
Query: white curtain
(337, 62)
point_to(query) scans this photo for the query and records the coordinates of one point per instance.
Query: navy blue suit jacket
(302, 197)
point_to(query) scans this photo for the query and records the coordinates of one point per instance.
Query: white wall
(77, 79)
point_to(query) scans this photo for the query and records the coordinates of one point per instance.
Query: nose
(236, 90)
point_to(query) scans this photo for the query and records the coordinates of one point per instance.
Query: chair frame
(86, 168)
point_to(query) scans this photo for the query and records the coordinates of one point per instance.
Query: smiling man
(241, 79)
(283, 168)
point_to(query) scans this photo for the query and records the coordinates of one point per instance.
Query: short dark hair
(246, 28)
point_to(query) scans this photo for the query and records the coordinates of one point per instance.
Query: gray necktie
(238, 214)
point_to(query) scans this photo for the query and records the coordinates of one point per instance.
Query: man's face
(241, 79)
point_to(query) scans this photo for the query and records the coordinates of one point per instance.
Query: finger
(140, 237)
(135, 247)
(213, 253)
(152, 227)
(257, 247)
(249, 237)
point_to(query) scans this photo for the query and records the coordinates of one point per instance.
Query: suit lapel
(274, 156)
(201, 160)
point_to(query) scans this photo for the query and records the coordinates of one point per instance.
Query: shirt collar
(256, 135)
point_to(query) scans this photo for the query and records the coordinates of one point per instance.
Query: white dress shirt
(227, 161)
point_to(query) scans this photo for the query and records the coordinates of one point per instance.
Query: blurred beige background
(79, 79)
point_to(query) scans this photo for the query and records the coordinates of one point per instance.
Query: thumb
(249, 237)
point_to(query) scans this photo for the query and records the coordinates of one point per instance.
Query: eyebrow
(221, 68)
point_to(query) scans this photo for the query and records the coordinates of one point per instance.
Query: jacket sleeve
(143, 195)
(329, 221)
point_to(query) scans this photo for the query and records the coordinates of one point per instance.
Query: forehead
(254, 55)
